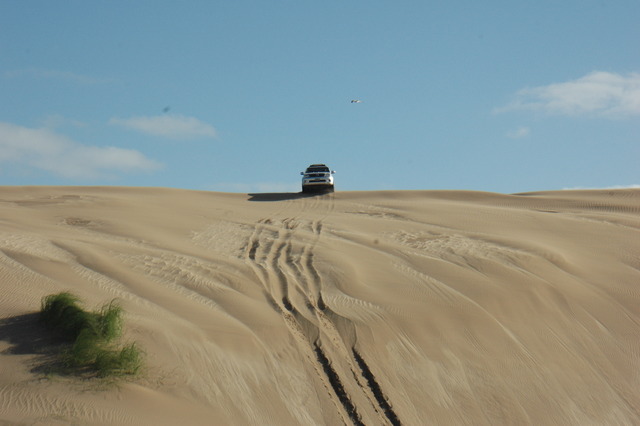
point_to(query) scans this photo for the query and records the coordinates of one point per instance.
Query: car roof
(314, 168)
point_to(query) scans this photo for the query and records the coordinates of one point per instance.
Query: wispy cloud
(48, 74)
(599, 93)
(54, 121)
(44, 149)
(168, 126)
(519, 133)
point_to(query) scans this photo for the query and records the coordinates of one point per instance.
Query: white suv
(317, 177)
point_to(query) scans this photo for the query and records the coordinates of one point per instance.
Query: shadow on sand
(26, 336)
(283, 196)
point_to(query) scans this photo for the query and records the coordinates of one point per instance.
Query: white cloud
(599, 93)
(519, 133)
(44, 149)
(168, 126)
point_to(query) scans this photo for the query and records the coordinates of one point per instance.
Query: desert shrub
(84, 350)
(90, 334)
(63, 313)
(127, 360)
(110, 321)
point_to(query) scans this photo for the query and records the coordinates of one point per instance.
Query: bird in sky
(356, 101)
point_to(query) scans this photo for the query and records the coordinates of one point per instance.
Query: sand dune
(392, 307)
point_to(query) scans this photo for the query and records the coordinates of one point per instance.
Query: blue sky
(241, 96)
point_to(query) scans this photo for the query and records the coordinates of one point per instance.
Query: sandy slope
(374, 307)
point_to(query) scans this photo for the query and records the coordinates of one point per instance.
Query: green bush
(90, 335)
(110, 321)
(84, 349)
(118, 362)
(62, 313)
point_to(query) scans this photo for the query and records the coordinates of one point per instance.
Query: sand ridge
(372, 307)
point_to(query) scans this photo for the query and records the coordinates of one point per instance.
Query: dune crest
(382, 307)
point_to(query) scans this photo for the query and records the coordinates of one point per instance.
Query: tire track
(255, 253)
(382, 400)
(283, 263)
(309, 268)
(282, 255)
(365, 380)
(325, 373)
(337, 386)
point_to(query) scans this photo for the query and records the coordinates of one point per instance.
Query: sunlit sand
(390, 307)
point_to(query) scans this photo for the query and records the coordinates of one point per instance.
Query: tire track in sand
(264, 252)
(282, 256)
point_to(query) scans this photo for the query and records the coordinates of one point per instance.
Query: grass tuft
(90, 335)
(119, 362)
(62, 312)
(110, 321)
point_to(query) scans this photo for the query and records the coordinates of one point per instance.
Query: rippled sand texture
(392, 307)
